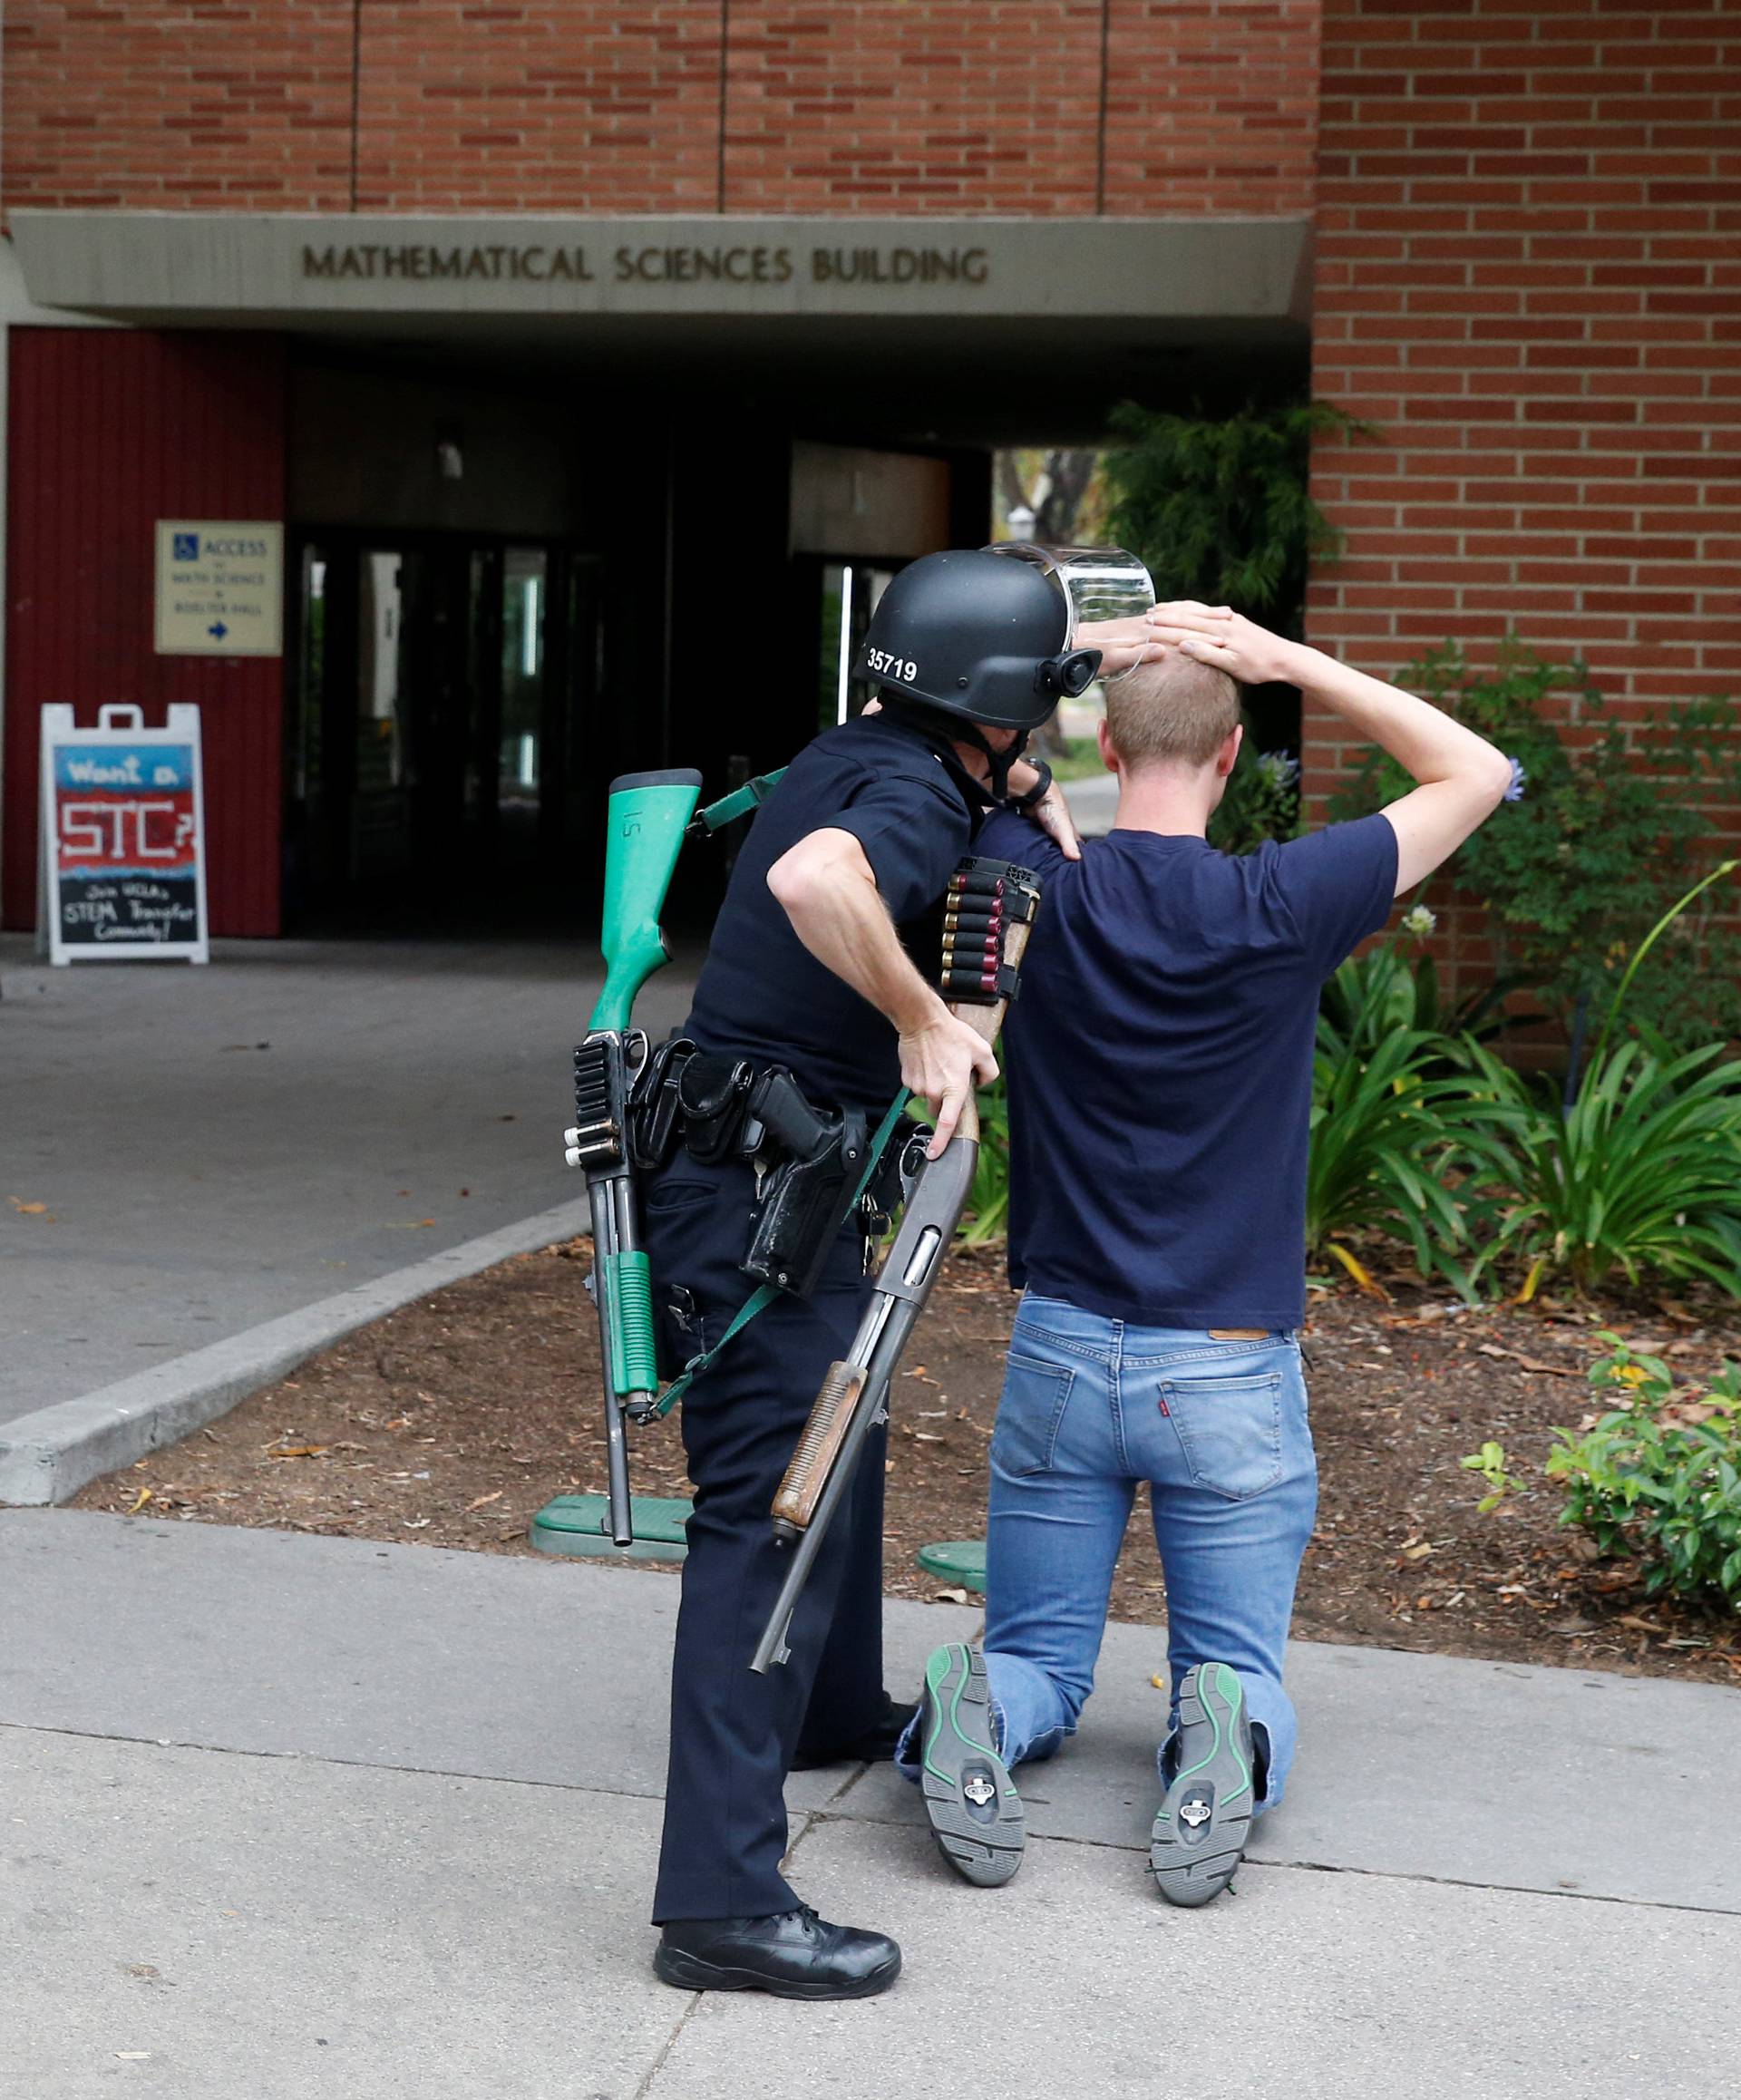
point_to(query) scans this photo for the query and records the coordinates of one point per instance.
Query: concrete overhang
(958, 330)
(443, 275)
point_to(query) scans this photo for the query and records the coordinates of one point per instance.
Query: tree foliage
(1221, 508)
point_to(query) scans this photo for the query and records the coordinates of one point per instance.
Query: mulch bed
(452, 1420)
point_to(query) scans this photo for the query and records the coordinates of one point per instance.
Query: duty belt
(814, 1166)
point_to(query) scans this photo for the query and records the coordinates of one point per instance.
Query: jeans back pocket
(1030, 1412)
(1230, 1429)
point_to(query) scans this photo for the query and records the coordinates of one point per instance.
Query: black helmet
(976, 636)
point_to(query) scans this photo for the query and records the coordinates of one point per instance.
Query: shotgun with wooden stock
(988, 918)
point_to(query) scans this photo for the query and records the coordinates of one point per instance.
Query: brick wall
(211, 106)
(1529, 274)
(1211, 107)
(553, 105)
(828, 105)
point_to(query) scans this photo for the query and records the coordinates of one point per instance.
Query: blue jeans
(1218, 1430)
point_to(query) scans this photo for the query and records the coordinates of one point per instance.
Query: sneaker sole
(1191, 1865)
(689, 1973)
(976, 1813)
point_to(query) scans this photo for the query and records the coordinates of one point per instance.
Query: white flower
(1418, 920)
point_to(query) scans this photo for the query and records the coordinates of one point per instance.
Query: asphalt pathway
(186, 1152)
(305, 1817)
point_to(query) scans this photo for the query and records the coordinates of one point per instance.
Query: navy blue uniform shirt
(1159, 1061)
(762, 994)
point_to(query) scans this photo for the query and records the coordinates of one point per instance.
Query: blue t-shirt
(762, 994)
(1159, 1061)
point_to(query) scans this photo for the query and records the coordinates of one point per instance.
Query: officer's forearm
(827, 889)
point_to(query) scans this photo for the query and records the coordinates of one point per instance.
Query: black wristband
(1037, 792)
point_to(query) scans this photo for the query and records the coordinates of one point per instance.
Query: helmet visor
(1100, 583)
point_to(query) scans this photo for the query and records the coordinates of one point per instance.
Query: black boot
(874, 1744)
(795, 1955)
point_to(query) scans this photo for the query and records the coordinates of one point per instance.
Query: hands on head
(1212, 634)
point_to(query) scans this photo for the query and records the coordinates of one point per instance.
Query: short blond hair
(1174, 708)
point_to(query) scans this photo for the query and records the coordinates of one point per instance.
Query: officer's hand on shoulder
(1051, 813)
(942, 1061)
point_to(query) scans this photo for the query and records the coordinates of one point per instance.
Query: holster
(712, 1092)
(804, 1196)
(654, 1115)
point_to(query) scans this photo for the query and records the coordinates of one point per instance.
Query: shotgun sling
(988, 917)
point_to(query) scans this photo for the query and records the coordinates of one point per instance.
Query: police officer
(807, 969)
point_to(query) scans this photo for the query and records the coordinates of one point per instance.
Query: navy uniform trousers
(734, 1734)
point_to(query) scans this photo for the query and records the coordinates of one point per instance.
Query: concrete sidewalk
(303, 1817)
(217, 1147)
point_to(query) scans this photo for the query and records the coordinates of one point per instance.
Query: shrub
(1606, 830)
(1637, 1166)
(1659, 1479)
(1262, 801)
(1373, 994)
(1219, 508)
(1640, 1174)
(1385, 1121)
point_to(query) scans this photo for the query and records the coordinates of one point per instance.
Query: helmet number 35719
(894, 667)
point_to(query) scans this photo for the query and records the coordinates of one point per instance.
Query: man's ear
(1228, 755)
(1108, 756)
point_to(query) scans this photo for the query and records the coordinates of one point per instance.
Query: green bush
(1219, 508)
(1659, 1479)
(1373, 994)
(1609, 825)
(1386, 1122)
(1638, 1167)
(1261, 801)
(1640, 1174)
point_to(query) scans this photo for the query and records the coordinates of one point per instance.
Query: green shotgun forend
(649, 814)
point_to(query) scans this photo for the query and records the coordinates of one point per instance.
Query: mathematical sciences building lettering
(537, 263)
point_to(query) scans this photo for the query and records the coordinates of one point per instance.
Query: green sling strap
(738, 804)
(764, 1294)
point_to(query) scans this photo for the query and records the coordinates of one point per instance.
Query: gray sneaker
(1198, 1835)
(975, 1811)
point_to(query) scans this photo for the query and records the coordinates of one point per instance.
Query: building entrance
(440, 693)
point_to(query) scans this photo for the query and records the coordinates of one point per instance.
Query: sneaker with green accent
(1200, 1831)
(975, 1811)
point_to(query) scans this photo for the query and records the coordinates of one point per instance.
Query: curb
(47, 1456)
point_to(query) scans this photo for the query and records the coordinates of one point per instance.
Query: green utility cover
(580, 1525)
(962, 1560)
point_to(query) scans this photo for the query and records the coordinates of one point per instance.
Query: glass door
(437, 721)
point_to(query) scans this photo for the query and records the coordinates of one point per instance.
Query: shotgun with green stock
(649, 814)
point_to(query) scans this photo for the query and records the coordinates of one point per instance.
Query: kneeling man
(1159, 1065)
